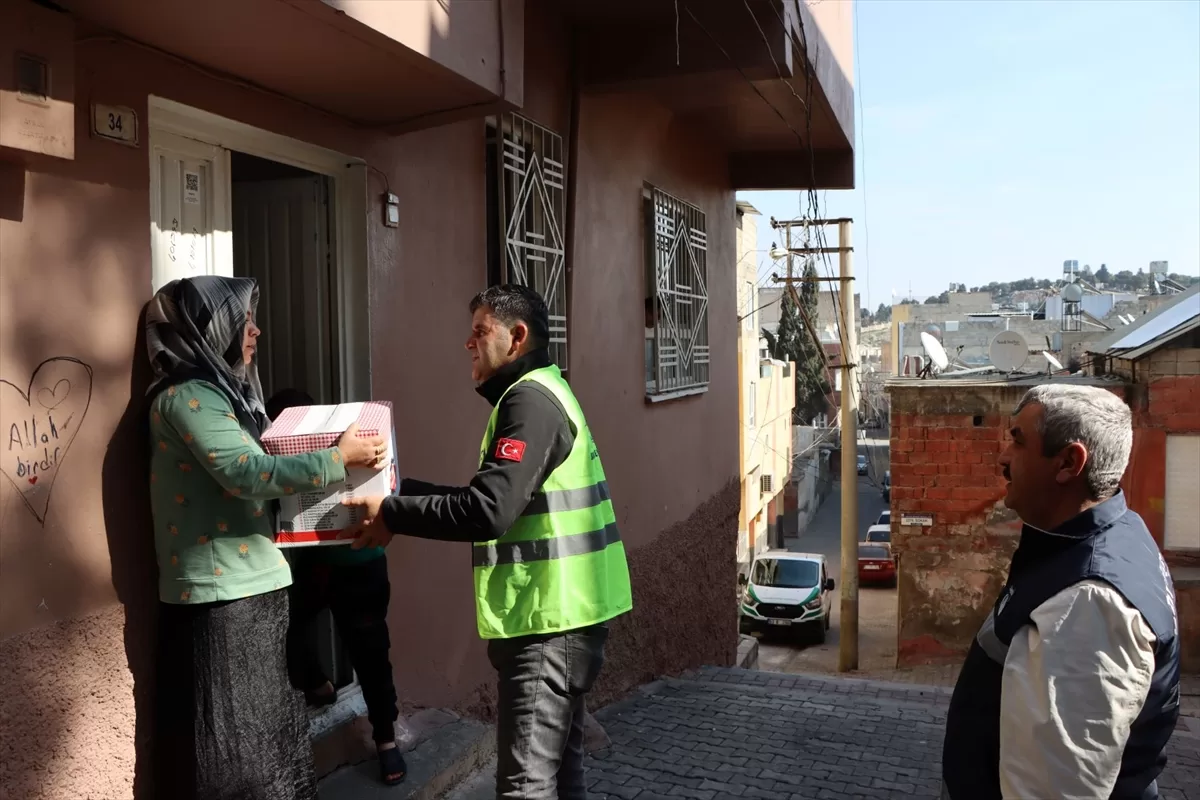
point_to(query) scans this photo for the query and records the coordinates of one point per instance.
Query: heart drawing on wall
(38, 423)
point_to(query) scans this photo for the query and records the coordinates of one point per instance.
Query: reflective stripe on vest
(567, 499)
(577, 544)
(561, 564)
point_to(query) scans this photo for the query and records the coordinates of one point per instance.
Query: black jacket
(485, 508)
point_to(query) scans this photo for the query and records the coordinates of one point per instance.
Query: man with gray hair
(1071, 687)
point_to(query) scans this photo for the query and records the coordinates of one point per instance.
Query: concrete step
(747, 652)
(440, 761)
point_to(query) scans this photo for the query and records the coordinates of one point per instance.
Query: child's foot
(324, 696)
(392, 768)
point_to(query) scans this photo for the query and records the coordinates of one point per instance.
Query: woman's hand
(361, 451)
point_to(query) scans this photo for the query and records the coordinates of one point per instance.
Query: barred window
(676, 296)
(527, 208)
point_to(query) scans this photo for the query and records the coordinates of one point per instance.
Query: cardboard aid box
(318, 517)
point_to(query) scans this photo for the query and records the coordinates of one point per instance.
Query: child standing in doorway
(354, 586)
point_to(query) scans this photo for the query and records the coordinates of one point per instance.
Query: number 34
(115, 122)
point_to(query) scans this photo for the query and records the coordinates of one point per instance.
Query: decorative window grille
(677, 284)
(531, 210)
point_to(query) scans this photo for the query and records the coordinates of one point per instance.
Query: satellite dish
(1008, 351)
(1072, 293)
(1054, 363)
(935, 351)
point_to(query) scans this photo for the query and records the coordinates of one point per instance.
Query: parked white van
(787, 590)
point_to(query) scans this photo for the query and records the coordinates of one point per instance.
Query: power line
(804, 141)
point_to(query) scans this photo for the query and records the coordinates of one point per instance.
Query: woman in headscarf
(221, 576)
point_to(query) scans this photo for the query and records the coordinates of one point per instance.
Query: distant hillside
(1123, 281)
(1002, 291)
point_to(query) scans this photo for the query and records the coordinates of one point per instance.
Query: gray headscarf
(194, 330)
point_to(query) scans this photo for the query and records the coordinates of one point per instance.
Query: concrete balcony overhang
(394, 66)
(761, 78)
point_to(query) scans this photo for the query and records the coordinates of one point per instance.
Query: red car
(875, 563)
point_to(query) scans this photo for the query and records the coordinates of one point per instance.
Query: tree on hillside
(883, 313)
(944, 297)
(1103, 275)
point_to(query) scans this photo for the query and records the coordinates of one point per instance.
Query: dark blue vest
(1109, 543)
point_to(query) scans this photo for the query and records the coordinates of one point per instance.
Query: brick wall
(1166, 401)
(945, 443)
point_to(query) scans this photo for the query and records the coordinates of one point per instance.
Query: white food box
(314, 518)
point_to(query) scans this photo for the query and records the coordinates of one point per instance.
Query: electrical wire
(804, 141)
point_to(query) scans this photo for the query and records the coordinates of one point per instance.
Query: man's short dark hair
(285, 399)
(512, 303)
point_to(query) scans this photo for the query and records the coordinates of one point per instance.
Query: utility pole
(848, 632)
(848, 635)
(788, 244)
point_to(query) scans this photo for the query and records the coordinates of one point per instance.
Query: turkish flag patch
(510, 449)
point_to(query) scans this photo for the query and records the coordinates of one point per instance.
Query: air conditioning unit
(767, 483)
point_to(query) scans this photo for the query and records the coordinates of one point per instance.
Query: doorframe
(349, 177)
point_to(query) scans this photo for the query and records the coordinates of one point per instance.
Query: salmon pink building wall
(77, 600)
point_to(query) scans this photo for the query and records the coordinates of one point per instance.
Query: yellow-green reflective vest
(561, 565)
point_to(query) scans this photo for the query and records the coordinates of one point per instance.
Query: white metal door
(1182, 501)
(282, 239)
(189, 209)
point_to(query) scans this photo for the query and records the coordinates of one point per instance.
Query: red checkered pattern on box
(374, 420)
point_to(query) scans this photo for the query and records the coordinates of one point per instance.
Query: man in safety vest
(549, 565)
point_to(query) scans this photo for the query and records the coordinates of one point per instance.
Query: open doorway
(282, 237)
(282, 223)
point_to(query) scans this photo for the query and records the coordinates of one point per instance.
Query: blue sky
(1001, 138)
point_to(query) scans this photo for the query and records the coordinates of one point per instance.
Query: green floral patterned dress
(210, 488)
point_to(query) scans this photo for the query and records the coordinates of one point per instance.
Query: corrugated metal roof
(1152, 330)
(1163, 324)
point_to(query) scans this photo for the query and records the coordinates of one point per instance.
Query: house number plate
(115, 123)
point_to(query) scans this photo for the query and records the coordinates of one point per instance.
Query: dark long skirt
(232, 726)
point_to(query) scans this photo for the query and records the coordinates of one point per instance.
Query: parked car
(875, 563)
(787, 590)
(885, 518)
(862, 465)
(887, 486)
(879, 533)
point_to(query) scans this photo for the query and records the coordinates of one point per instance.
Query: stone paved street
(730, 733)
(726, 733)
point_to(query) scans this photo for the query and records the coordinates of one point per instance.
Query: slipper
(392, 768)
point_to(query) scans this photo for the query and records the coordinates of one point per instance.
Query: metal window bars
(678, 262)
(532, 207)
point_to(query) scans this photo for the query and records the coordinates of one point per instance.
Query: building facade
(431, 149)
(1159, 357)
(767, 396)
